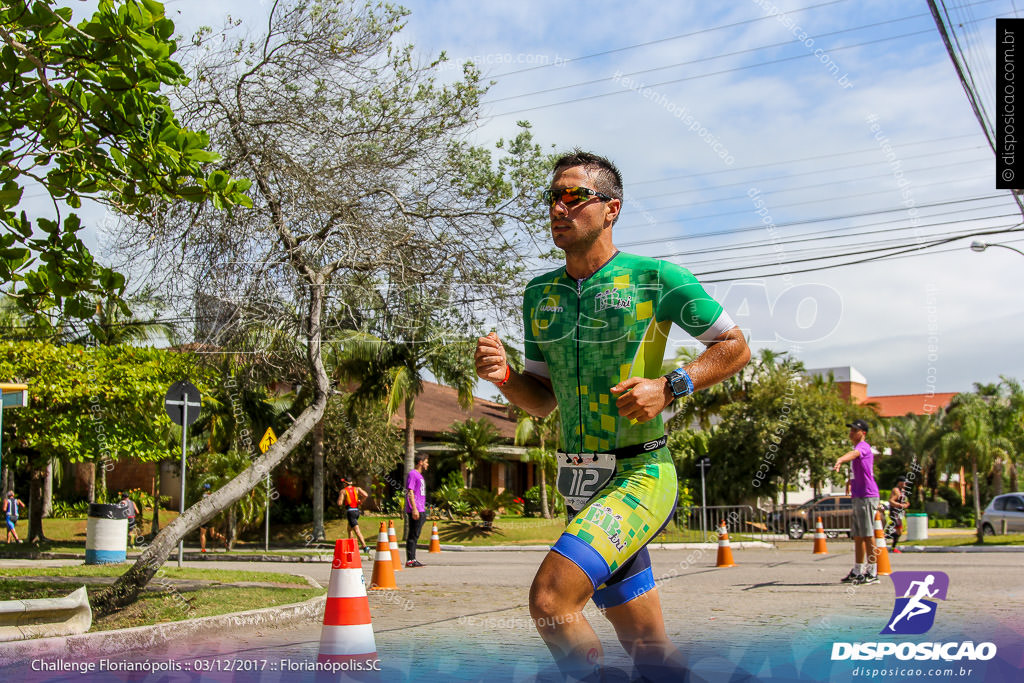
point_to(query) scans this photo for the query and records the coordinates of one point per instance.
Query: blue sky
(770, 142)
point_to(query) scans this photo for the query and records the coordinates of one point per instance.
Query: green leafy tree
(970, 442)
(787, 429)
(83, 118)
(95, 405)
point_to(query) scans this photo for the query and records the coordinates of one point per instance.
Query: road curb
(962, 549)
(142, 637)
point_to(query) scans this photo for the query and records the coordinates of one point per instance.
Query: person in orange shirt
(350, 498)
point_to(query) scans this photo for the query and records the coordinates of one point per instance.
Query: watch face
(678, 385)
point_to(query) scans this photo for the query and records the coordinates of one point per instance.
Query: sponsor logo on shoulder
(547, 308)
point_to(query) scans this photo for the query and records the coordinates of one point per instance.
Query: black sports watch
(680, 383)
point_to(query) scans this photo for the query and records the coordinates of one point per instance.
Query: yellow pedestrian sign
(268, 440)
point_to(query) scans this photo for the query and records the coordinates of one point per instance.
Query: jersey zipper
(579, 394)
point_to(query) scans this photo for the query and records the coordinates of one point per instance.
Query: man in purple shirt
(865, 502)
(416, 508)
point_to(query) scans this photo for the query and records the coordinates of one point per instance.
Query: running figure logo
(916, 592)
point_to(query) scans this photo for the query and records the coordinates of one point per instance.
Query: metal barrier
(741, 519)
(44, 617)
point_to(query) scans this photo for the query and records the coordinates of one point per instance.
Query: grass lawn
(169, 605)
(970, 539)
(221, 575)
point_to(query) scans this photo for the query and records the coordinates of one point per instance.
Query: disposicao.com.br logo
(913, 614)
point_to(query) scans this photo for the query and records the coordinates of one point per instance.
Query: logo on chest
(612, 298)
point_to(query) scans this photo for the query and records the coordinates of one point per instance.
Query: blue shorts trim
(583, 556)
(629, 583)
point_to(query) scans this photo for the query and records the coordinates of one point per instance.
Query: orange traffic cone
(819, 540)
(881, 552)
(724, 549)
(383, 572)
(435, 540)
(347, 634)
(396, 559)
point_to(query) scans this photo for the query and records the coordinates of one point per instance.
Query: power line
(664, 40)
(997, 231)
(707, 75)
(783, 206)
(786, 43)
(827, 219)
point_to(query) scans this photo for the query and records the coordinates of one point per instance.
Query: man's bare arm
(528, 391)
(646, 398)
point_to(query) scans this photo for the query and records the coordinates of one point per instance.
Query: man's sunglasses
(572, 195)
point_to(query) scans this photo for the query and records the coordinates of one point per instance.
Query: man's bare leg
(558, 595)
(640, 627)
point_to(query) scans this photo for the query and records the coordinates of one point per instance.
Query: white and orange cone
(396, 559)
(435, 540)
(347, 633)
(819, 540)
(881, 552)
(383, 572)
(724, 549)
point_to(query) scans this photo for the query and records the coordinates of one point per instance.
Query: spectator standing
(415, 508)
(865, 502)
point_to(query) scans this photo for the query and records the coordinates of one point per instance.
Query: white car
(1007, 508)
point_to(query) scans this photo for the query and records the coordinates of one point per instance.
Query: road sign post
(268, 440)
(704, 463)
(182, 404)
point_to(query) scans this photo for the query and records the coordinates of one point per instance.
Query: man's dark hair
(606, 176)
(418, 458)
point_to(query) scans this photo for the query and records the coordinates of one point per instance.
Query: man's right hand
(491, 360)
(416, 514)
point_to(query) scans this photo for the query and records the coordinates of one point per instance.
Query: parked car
(836, 514)
(1008, 508)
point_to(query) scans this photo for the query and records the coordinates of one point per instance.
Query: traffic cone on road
(347, 634)
(435, 540)
(724, 549)
(396, 559)
(881, 552)
(819, 540)
(383, 571)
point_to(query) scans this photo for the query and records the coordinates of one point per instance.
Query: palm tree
(116, 323)
(470, 442)
(395, 371)
(917, 440)
(545, 430)
(970, 442)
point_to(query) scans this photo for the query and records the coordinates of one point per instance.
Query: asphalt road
(464, 616)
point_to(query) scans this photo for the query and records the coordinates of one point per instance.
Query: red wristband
(508, 373)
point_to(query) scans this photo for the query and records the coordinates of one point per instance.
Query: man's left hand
(643, 399)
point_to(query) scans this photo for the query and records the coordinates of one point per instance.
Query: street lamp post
(979, 246)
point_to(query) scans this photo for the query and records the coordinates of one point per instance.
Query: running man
(11, 514)
(915, 606)
(351, 497)
(595, 333)
(898, 504)
(864, 490)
